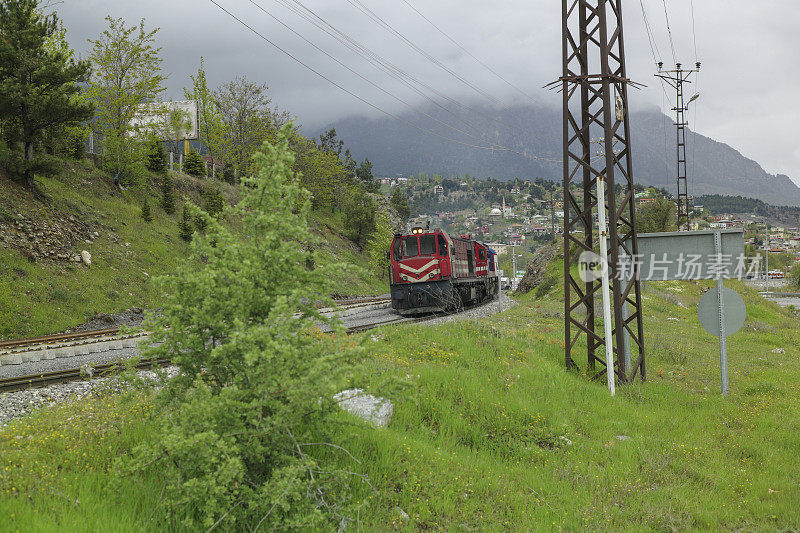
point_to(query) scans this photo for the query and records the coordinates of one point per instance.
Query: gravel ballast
(18, 404)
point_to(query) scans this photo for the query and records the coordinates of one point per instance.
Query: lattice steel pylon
(676, 78)
(595, 93)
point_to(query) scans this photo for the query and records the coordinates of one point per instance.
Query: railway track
(86, 342)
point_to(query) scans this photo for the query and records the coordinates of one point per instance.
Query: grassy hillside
(46, 296)
(491, 433)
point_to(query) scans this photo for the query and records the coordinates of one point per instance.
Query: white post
(766, 256)
(171, 159)
(180, 162)
(723, 342)
(514, 265)
(601, 210)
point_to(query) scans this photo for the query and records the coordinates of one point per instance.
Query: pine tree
(399, 203)
(185, 229)
(156, 157)
(147, 215)
(38, 87)
(167, 195)
(194, 165)
(213, 202)
(255, 381)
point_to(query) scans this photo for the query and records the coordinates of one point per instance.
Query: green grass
(54, 468)
(490, 432)
(38, 298)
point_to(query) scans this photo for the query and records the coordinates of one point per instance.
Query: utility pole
(594, 87)
(676, 78)
(552, 216)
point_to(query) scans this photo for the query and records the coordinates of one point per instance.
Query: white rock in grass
(86, 257)
(373, 409)
(778, 350)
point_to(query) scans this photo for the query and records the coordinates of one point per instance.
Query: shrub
(156, 157)
(147, 215)
(194, 165)
(213, 202)
(256, 383)
(185, 225)
(167, 194)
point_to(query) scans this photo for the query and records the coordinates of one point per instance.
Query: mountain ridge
(396, 148)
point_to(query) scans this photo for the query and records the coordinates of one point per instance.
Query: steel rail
(19, 383)
(73, 374)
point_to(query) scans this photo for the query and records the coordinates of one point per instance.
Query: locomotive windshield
(414, 245)
(410, 246)
(427, 244)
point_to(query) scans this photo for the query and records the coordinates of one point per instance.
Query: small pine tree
(156, 157)
(213, 202)
(200, 223)
(194, 165)
(228, 174)
(147, 215)
(185, 229)
(167, 195)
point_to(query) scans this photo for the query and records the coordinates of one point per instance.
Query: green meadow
(490, 432)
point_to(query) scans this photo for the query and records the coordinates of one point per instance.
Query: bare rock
(377, 411)
(86, 257)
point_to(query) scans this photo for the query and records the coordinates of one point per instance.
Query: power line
(669, 32)
(650, 38)
(484, 65)
(373, 58)
(694, 32)
(393, 70)
(285, 52)
(333, 58)
(388, 27)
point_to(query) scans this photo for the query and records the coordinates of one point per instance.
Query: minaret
(504, 206)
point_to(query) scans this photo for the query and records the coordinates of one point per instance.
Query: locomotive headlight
(431, 275)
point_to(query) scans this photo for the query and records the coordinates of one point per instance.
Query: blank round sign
(734, 310)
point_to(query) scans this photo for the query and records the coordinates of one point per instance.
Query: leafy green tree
(176, 123)
(126, 75)
(399, 203)
(245, 417)
(359, 213)
(167, 194)
(211, 126)
(185, 229)
(247, 121)
(37, 86)
(156, 156)
(379, 243)
(147, 214)
(657, 216)
(194, 165)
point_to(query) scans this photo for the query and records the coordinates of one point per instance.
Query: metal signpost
(696, 255)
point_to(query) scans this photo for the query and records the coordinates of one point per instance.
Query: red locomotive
(433, 272)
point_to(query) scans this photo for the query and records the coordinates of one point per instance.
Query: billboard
(169, 121)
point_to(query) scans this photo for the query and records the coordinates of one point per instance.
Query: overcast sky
(749, 79)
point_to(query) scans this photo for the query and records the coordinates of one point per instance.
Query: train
(432, 272)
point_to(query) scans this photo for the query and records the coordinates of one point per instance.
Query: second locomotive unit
(433, 272)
